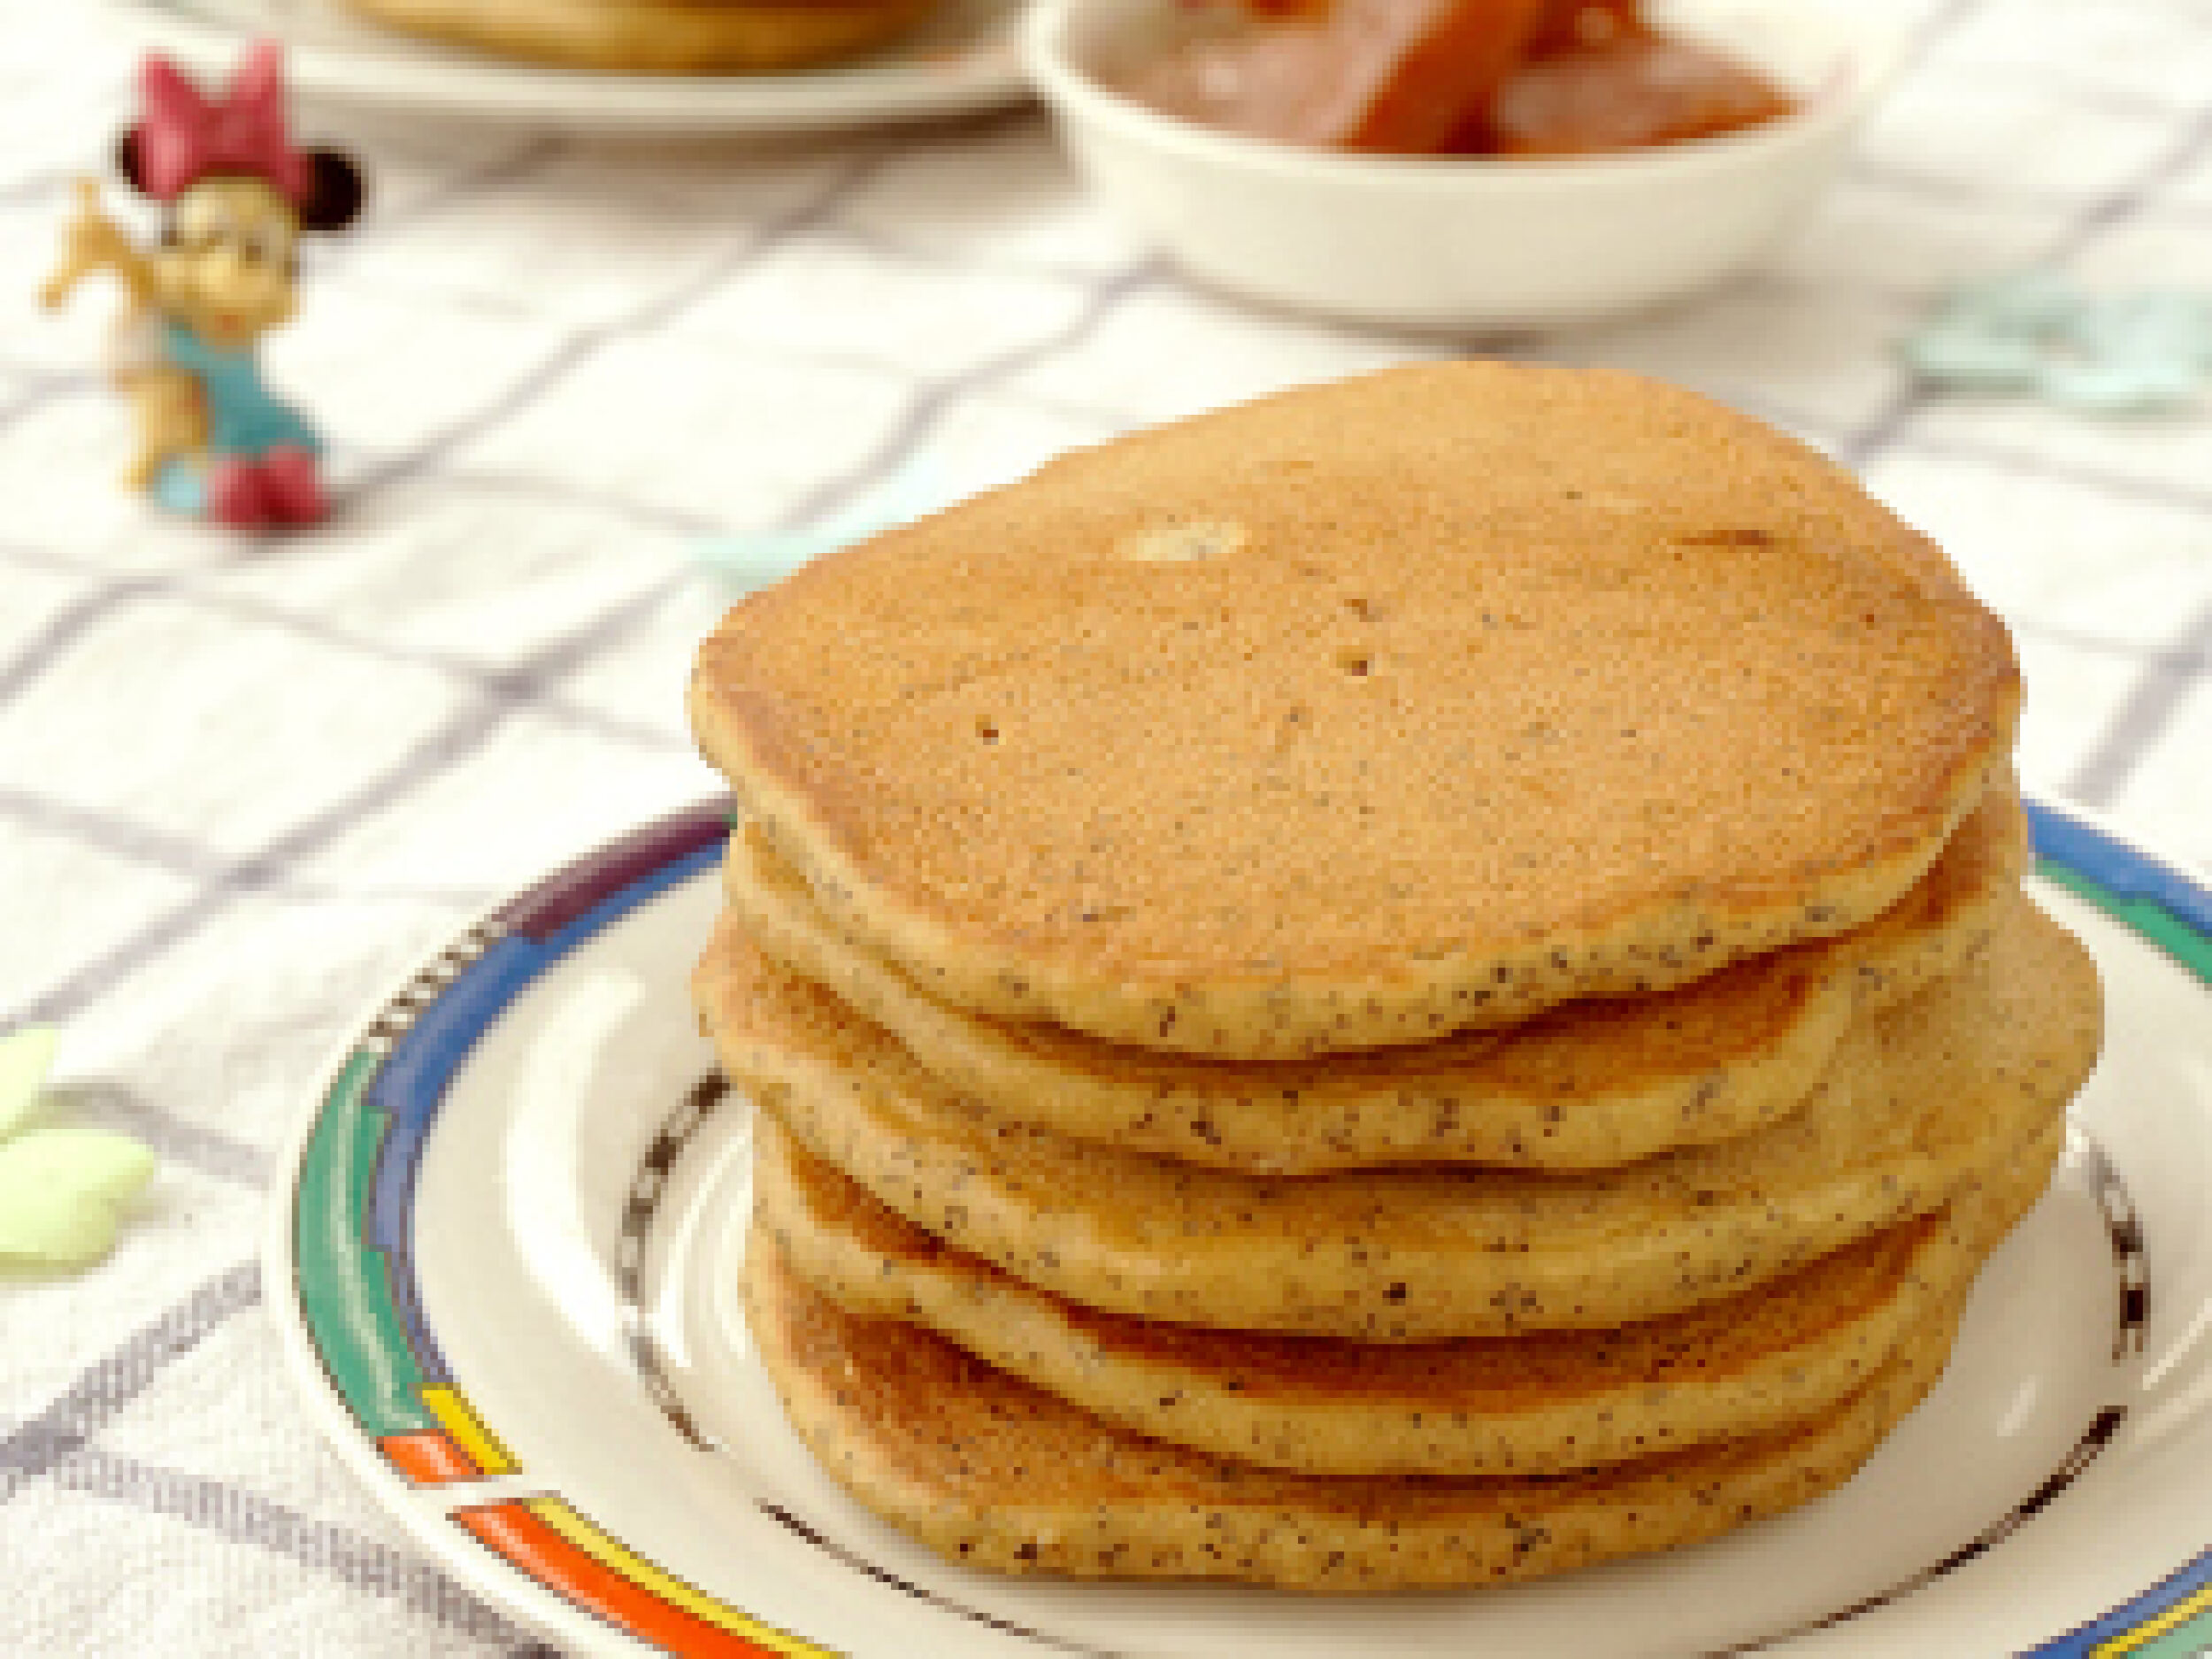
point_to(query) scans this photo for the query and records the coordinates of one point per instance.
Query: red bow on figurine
(185, 136)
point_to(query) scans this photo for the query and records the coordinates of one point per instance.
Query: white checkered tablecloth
(242, 786)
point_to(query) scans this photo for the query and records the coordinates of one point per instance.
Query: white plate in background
(965, 58)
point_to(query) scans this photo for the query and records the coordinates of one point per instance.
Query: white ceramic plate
(965, 58)
(504, 1257)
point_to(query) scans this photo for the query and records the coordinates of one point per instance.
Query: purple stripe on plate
(554, 905)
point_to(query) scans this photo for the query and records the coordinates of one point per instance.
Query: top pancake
(1366, 713)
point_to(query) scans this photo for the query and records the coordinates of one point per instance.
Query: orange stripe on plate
(523, 1538)
(427, 1458)
(665, 1585)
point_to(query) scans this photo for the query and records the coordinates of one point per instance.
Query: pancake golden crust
(1536, 1404)
(669, 37)
(1366, 713)
(1587, 1086)
(995, 1473)
(1917, 1099)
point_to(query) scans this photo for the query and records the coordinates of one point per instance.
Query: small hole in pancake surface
(1185, 543)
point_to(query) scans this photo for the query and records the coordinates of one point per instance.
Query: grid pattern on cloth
(240, 789)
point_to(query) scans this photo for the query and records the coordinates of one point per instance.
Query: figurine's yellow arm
(95, 241)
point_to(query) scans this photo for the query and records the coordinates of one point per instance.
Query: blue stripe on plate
(2124, 871)
(636, 894)
(2180, 1587)
(409, 1088)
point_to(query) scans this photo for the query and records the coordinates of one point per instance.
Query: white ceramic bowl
(1452, 242)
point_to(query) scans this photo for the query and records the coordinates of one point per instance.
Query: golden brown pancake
(993, 1472)
(1916, 1099)
(1365, 713)
(1583, 1086)
(1536, 1404)
(668, 37)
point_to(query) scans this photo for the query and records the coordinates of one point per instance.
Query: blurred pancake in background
(671, 37)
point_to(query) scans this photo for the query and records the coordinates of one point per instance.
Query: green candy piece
(2143, 352)
(62, 1190)
(25, 1058)
(62, 1193)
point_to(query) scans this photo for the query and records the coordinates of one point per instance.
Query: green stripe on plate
(345, 1292)
(2175, 937)
(2184, 1642)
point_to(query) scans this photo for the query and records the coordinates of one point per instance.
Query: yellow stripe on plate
(2143, 1635)
(457, 1420)
(600, 1548)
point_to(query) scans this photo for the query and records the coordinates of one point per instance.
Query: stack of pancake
(1420, 982)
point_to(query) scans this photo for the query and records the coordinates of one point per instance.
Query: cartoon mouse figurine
(212, 441)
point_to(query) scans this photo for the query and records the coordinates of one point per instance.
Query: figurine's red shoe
(291, 487)
(238, 495)
(277, 489)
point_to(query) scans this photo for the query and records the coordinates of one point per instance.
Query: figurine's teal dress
(244, 421)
